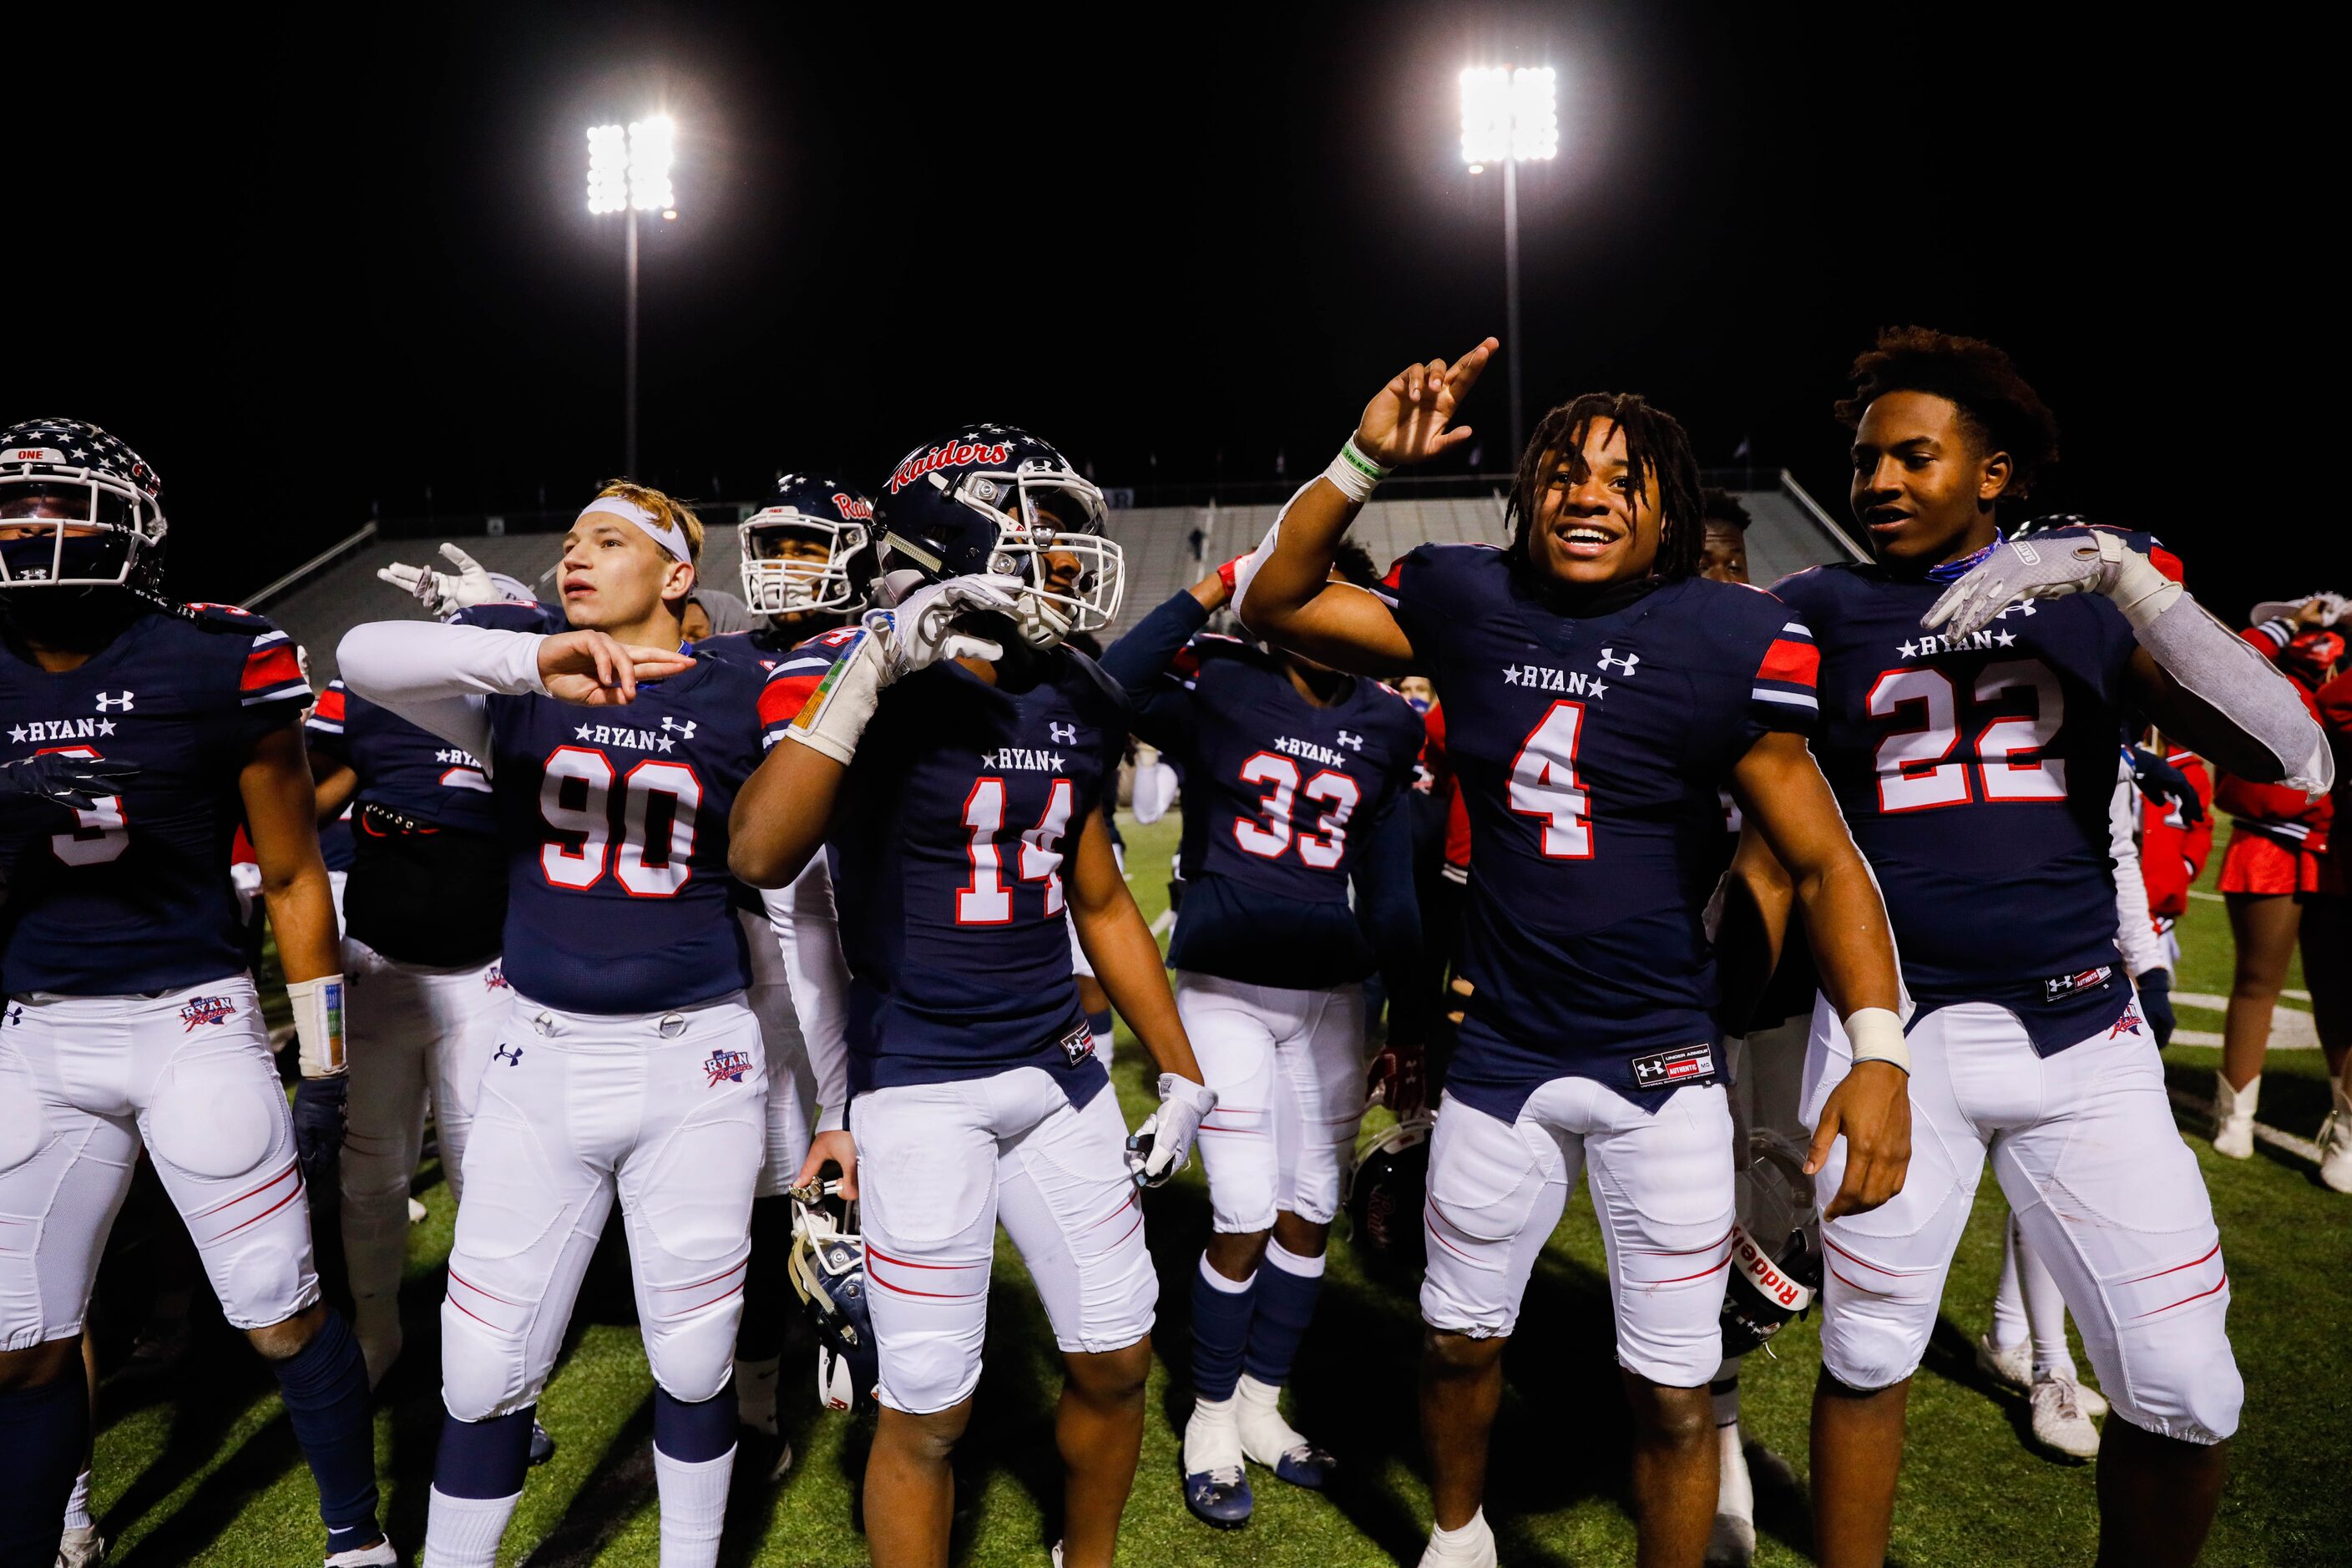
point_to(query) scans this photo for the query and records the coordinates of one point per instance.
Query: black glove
(320, 1110)
(2166, 785)
(78, 782)
(2155, 1000)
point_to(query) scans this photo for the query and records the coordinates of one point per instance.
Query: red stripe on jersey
(331, 705)
(1797, 663)
(1187, 662)
(2166, 561)
(782, 700)
(273, 666)
(1396, 570)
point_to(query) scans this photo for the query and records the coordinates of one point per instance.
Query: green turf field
(207, 1472)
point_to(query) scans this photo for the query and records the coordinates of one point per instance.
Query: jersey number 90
(643, 869)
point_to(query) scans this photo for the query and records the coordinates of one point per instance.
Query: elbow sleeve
(2229, 675)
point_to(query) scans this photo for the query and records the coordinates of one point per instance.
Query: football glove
(2050, 565)
(322, 1106)
(891, 645)
(1400, 1079)
(2156, 1001)
(1164, 1145)
(2166, 785)
(77, 782)
(444, 594)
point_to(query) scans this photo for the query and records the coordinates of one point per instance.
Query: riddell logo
(954, 455)
(853, 508)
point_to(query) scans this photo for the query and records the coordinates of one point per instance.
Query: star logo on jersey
(1544, 677)
(1930, 644)
(61, 730)
(510, 1055)
(1065, 734)
(1022, 758)
(1353, 742)
(727, 1067)
(201, 1010)
(1623, 666)
(108, 704)
(623, 735)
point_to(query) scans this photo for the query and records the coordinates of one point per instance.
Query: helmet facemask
(778, 585)
(1043, 510)
(65, 527)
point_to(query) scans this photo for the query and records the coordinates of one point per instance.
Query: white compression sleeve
(808, 930)
(2230, 675)
(2135, 933)
(436, 676)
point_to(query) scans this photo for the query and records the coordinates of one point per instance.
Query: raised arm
(1286, 595)
(1782, 793)
(1159, 708)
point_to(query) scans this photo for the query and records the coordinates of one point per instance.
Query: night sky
(314, 273)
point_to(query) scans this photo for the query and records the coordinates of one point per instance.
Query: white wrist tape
(838, 710)
(2140, 591)
(318, 1023)
(1354, 475)
(1876, 1035)
(2230, 675)
(1245, 569)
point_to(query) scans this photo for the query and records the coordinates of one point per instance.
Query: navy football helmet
(1776, 1253)
(77, 510)
(991, 499)
(1385, 1194)
(782, 573)
(829, 1270)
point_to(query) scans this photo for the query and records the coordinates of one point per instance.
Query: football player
(962, 802)
(1598, 693)
(131, 1018)
(629, 1065)
(1296, 774)
(1969, 727)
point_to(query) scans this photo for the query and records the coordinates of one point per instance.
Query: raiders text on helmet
(77, 510)
(812, 547)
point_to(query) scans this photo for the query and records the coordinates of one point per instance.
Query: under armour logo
(106, 702)
(510, 1055)
(684, 728)
(1353, 742)
(1623, 666)
(16, 1015)
(1065, 734)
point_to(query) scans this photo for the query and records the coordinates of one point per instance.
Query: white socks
(463, 1531)
(1734, 1490)
(1213, 1438)
(755, 1393)
(1472, 1546)
(1265, 1436)
(693, 1507)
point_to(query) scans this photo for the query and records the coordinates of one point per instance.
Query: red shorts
(2257, 863)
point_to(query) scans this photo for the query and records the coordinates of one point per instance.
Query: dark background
(318, 265)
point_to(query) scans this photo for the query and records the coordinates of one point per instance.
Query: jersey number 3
(1269, 839)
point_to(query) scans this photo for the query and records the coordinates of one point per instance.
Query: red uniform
(2278, 840)
(2172, 854)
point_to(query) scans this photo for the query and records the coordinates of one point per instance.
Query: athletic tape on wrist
(836, 715)
(318, 1023)
(1876, 1035)
(1354, 475)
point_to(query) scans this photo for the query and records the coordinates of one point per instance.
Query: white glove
(2331, 609)
(441, 593)
(1164, 1145)
(891, 645)
(2048, 566)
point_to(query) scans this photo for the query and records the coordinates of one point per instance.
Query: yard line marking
(2212, 898)
(2303, 1148)
(1165, 923)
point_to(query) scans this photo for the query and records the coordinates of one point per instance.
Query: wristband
(836, 715)
(1354, 475)
(1226, 575)
(318, 1023)
(1876, 1035)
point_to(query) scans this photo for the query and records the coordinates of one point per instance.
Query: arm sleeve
(438, 678)
(1390, 913)
(808, 931)
(1160, 703)
(2134, 932)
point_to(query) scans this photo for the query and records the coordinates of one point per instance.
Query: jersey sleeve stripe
(331, 706)
(1797, 663)
(271, 664)
(786, 694)
(1792, 698)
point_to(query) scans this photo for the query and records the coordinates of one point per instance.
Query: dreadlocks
(1999, 407)
(1655, 445)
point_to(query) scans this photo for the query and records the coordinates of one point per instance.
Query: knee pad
(693, 1356)
(1869, 1350)
(2195, 1397)
(218, 1120)
(482, 1371)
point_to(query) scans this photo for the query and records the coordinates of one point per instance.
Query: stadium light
(1510, 115)
(628, 172)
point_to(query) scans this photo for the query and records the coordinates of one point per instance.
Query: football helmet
(1385, 1193)
(1776, 1255)
(828, 1272)
(77, 510)
(991, 499)
(807, 509)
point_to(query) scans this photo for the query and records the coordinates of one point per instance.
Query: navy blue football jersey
(615, 826)
(1589, 754)
(761, 649)
(1281, 799)
(1975, 775)
(401, 767)
(962, 804)
(133, 895)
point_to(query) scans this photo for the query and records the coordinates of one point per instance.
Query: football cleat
(1267, 1439)
(2008, 1366)
(1220, 1498)
(989, 500)
(812, 547)
(1385, 1194)
(78, 509)
(380, 1555)
(2060, 1422)
(1776, 1260)
(543, 1447)
(828, 1273)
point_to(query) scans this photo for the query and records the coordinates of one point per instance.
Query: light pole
(628, 172)
(1509, 116)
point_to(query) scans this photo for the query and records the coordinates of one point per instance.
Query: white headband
(669, 536)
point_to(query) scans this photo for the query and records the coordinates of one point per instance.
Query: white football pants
(1288, 1070)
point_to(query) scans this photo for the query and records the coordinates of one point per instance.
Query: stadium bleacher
(1167, 548)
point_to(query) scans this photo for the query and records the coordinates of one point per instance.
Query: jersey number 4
(1270, 837)
(644, 870)
(1544, 784)
(1922, 767)
(985, 900)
